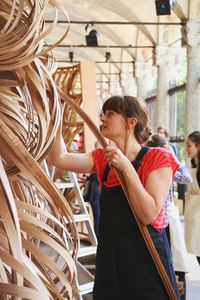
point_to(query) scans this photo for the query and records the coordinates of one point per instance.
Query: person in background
(165, 133)
(174, 230)
(181, 188)
(92, 196)
(192, 197)
(80, 142)
(124, 266)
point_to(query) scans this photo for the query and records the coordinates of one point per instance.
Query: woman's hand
(170, 150)
(116, 158)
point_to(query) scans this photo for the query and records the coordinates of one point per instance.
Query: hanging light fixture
(163, 7)
(108, 56)
(91, 37)
(71, 56)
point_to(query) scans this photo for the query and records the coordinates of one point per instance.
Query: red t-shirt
(153, 159)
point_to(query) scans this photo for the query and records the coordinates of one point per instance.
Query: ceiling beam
(118, 22)
(100, 46)
(97, 62)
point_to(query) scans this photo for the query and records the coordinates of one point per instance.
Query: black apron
(124, 267)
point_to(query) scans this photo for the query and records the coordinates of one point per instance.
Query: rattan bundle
(38, 241)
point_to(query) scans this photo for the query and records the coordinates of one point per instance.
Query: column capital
(191, 33)
(144, 74)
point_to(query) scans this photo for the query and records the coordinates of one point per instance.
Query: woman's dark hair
(195, 138)
(157, 141)
(130, 107)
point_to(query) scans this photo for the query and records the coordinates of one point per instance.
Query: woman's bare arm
(147, 200)
(76, 162)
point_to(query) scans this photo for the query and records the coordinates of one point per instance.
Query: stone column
(191, 38)
(143, 74)
(165, 61)
(115, 86)
(128, 84)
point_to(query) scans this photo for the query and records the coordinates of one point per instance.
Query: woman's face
(191, 148)
(114, 124)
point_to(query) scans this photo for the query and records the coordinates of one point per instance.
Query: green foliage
(181, 95)
(182, 70)
(181, 113)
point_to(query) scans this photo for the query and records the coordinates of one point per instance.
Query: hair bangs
(115, 104)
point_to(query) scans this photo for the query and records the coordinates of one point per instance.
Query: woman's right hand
(116, 158)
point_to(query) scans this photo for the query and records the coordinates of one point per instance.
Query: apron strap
(139, 157)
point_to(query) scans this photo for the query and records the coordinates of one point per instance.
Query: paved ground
(193, 279)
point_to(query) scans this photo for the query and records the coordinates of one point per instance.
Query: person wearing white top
(192, 197)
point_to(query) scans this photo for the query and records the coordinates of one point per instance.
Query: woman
(124, 267)
(192, 198)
